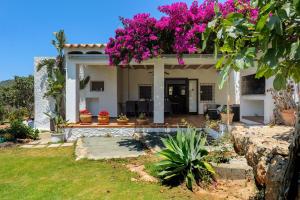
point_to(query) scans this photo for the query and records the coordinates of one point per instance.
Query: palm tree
(56, 73)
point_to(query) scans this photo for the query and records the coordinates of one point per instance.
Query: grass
(54, 174)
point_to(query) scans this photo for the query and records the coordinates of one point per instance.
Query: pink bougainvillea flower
(177, 32)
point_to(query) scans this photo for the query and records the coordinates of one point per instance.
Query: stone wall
(73, 133)
(266, 151)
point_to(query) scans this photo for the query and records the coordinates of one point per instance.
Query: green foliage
(272, 43)
(21, 131)
(56, 73)
(83, 83)
(59, 123)
(224, 110)
(18, 114)
(53, 173)
(184, 158)
(222, 155)
(2, 114)
(122, 117)
(8, 137)
(18, 94)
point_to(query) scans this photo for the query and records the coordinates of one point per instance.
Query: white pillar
(72, 92)
(159, 96)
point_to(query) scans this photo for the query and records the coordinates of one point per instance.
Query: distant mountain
(6, 82)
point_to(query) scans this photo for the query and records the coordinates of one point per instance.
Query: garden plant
(184, 158)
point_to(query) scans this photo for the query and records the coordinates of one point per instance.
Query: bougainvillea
(178, 32)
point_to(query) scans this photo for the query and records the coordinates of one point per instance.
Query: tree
(18, 94)
(272, 43)
(56, 74)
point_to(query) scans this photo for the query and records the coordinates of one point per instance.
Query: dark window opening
(97, 86)
(207, 93)
(145, 92)
(93, 52)
(252, 85)
(75, 52)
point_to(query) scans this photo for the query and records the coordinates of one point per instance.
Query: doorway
(176, 93)
(193, 96)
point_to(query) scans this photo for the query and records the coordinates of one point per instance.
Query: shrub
(184, 158)
(8, 137)
(2, 114)
(18, 114)
(22, 131)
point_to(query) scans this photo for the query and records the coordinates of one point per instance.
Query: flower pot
(56, 138)
(122, 121)
(224, 117)
(212, 133)
(85, 119)
(142, 121)
(103, 120)
(288, 117)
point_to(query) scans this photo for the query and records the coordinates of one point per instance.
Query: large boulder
(266, 151)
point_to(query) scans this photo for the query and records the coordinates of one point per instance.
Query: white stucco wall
(251, 104)
(42, 104)
(138, 77)
(108, 99)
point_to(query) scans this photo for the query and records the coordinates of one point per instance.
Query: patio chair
(168, 107)
(131, 108)
(150, 108)
(212, 111)
(142, 107)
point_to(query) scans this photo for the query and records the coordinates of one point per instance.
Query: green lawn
(54, 174)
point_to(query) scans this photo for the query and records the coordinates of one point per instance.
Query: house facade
(171, 88)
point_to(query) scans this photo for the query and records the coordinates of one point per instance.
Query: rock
(274, 176)
(261, 172)
(266, 151)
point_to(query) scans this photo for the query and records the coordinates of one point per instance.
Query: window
(145, 92)
(252, 85)
(97, 86)
(207, 92)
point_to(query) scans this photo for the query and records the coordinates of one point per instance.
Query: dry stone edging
(266, 151)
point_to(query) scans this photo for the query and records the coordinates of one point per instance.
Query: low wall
(74, 133)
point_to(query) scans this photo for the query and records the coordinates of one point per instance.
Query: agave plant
(184, 158)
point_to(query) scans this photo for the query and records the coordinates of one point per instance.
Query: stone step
(236, 169)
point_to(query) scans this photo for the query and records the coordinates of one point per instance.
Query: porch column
(72, 92)
(159, 96)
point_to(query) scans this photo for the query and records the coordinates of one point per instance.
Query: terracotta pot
(103, 120)
(224, 118)
(122, 121)
(288, 117)
(85, 119)
(142, 121)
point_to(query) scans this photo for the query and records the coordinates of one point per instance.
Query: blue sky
(27, 25)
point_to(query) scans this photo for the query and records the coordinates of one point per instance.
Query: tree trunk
(289, 184)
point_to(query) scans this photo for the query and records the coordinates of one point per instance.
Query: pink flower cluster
(178, 32)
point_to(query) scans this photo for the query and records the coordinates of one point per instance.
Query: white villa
(169, 88)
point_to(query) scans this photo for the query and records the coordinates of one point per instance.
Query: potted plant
(225, 115)
(212, 128)
(183, 123)
(85, 117)
(59, 124)
(142, 119)
(285, 105)
(103, 117)
(122, 119)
